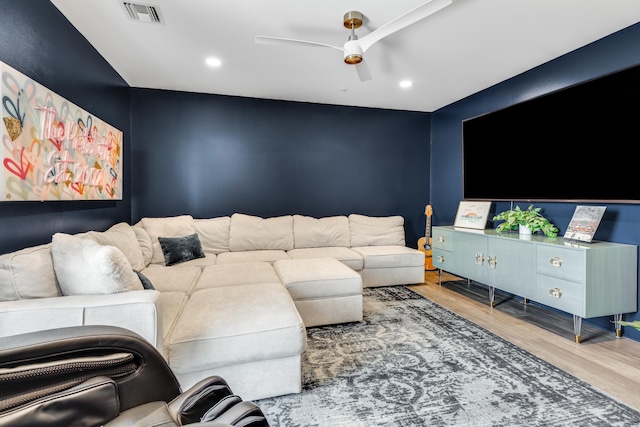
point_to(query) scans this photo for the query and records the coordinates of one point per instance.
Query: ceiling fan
(355, 48)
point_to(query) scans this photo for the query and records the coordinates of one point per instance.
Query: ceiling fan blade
(294, 42)
(403, 21)
(363, 71)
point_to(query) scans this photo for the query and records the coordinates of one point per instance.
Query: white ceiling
(462, 49)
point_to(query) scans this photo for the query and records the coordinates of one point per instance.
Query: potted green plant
(529, 218)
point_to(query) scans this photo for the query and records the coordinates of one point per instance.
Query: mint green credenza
(583, 279)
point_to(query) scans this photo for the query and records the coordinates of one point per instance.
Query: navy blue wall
(37, 40)
(621, 222)
(210, 155)
(213, 155)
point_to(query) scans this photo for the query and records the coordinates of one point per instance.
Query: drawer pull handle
(555, 292)
(440, 258)
(555, 261)
(479, 258)
(492, 262)
(441, 239)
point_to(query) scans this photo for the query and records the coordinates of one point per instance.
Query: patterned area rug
(412, 362)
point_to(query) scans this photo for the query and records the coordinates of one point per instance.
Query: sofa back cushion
(376, 231)
(309, 232)
(144, 240)
(85, 267)
(173, 226)
(123, 237)
(28, 273)
(251, 233)
(213, 234)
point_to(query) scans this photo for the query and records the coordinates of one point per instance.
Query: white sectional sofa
(204, 291)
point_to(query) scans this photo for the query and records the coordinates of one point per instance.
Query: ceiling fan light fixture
(353, 59)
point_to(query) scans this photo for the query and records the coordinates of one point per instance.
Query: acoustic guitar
(424, 243)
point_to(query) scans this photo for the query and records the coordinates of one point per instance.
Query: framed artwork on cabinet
(584, 223)
(472, 214)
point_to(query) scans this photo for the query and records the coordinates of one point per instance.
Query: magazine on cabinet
(584, 223)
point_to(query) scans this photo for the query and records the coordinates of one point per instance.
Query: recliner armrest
(92, 402)
(150, 380)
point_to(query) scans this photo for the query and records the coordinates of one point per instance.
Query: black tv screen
(578, 144)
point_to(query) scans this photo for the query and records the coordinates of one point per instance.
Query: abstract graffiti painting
(52, 149)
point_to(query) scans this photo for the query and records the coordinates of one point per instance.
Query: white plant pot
(524, 230)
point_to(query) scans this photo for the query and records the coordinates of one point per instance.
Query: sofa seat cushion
(348, 257)
(232, 325)
(390, 256)
(209, 259)
(251, 256)
(324, 290)
(172, 279)
(172, 305)
(236, 274)
(318, 278)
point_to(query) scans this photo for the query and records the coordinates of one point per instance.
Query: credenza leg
(492, 295)
(577, 327)
(617, 318)
(439, 277)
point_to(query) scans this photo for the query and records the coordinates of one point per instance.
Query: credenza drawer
(561, 262)
(442, 259)
(561, 294)
(442, 239)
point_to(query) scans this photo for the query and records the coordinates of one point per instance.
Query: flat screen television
(577, 144)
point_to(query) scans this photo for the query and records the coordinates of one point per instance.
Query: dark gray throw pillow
(146, 283)
(181, 249)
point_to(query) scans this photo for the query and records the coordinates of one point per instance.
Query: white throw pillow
(123, 237)
(85, 267)
(376, 231)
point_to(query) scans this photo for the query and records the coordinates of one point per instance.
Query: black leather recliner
(105, 375)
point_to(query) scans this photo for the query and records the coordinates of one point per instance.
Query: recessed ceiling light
(404, 84)
(213, 62)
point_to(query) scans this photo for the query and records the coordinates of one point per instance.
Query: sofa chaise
(229, 296)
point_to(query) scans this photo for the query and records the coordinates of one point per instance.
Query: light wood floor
(610, 364)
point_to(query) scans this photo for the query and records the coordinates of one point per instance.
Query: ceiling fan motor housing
(352, 52)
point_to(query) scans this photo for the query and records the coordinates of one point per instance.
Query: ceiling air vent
(143, 12)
